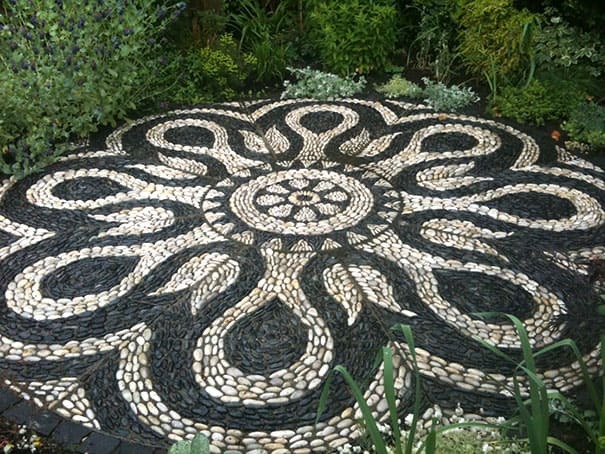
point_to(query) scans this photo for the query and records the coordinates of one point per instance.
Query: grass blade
(409, 338)
(389, 392)
(368, 418)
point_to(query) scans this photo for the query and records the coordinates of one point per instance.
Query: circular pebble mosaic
(206, 269)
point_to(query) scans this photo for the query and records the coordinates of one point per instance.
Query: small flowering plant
(68, 66)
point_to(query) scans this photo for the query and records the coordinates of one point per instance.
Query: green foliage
(398, 86)
(562, 46)
(534, 412)
(319, 85)
(435, 44)
(353, 36)
(537, 103)
(198, 445)
(496, 40)
(436, 94)
(587, 124)
(69, 66)
(213, 73)
(265, 34)
(212, 26)
(441, 97)
(372, 427)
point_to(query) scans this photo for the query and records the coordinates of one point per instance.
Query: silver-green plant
(320, 85)
(198, 445)
(398, 86)
(441, 97)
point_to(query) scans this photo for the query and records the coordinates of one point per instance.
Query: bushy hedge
(353, 36)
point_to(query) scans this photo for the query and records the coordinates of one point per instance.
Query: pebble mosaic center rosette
(205, 270)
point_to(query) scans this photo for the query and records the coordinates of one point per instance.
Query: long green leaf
(323, 398)
(409, 338)
(368, 418)
(389, 393)
(561, 445)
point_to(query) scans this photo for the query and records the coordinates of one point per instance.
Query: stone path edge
(72, 436)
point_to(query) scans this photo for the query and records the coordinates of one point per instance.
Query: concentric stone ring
(204, 270)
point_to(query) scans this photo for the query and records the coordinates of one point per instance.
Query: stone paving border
(69, 435)
(207, 268)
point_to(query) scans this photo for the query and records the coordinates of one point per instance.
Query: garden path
(207, 268)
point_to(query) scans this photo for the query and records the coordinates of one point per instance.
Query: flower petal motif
(208, 275)
(254, 142)
(327, 208)
(279, 143)
(461, 235)
(278, 189)
(356, 145)
(305, 214)
(281, 211)
(268, 200)
(336, 196)
(353, 285)
(298, 183)
(323, 186)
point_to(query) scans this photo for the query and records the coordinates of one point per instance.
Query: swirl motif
(209, 267)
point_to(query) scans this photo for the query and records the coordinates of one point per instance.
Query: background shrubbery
(70, 66)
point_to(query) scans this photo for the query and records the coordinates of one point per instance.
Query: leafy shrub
(212, 73)
(537, 103)
(265, 34)
(398, 86)
(496, 40)
(434, 46)
(441, 97)
(560, 45)
(69, 66)
(319, 85)
(353, 35)
(587, 124)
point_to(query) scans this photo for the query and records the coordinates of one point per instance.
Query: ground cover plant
(316, 84)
